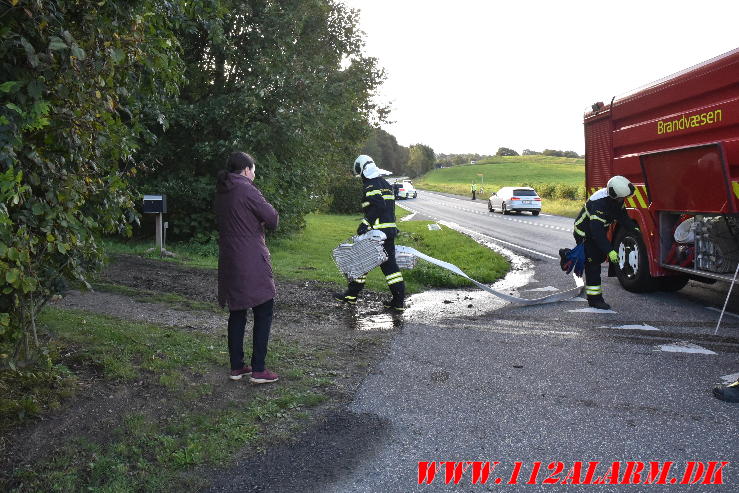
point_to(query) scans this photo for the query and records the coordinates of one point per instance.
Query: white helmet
(366, 165)
(619, 187)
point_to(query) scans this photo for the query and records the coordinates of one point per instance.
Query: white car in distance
(515, 199)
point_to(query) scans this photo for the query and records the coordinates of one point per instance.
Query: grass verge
(307, 254)
(195, 422)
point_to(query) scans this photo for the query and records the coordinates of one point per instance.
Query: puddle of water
(378, 321)
(434, 305)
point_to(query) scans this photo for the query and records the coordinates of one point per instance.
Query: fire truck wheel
(633, 265)
(672, 283)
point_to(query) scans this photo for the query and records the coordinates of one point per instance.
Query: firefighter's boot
(595, 297)
(397, 288)
(352, 292)
(730, 393)
(598, 302)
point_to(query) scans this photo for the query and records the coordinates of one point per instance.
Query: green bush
(546, 190)
(569, 192)
(345, 195)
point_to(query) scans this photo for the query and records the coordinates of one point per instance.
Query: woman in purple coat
(244, 270)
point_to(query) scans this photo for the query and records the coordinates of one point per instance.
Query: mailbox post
(157, 204)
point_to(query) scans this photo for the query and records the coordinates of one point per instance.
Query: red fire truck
(677, 140)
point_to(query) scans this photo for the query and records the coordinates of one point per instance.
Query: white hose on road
(552, 298)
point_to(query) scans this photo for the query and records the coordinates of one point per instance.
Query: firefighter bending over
(378, 204)
(601, 209)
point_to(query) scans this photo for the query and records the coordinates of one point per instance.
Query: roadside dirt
(305, 314)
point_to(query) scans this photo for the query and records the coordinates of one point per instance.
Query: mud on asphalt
(305, 314)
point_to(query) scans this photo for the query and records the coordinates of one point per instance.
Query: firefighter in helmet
(602, 208)
(378, 204)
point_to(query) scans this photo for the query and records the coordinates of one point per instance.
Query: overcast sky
(474, 75)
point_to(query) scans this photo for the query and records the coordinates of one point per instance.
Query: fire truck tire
(672, 283)
(633, 265)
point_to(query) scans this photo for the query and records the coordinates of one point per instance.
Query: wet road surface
(471, 378)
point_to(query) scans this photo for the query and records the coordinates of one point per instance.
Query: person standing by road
(474, 191)
(379, 213)
(244, 269)
(601, 209)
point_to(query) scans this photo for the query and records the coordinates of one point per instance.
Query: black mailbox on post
(155, 204)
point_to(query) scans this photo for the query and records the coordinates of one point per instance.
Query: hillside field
(511, 171)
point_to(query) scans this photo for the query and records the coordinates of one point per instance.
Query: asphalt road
(471, 378)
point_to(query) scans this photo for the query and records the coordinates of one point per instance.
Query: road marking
(590, 310)
(457, 227)
(719, 311)
(466, 209)
(630, 327)
(684, 347)
(546, 288)
(727, 379)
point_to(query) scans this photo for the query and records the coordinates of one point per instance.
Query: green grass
(511, 171)
(158, 452)
(307, 254)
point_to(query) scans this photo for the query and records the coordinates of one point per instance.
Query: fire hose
(361, 254)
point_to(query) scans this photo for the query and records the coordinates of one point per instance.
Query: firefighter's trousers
(393, 277)
(594, 257)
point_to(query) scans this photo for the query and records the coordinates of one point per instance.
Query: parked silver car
(515, 199)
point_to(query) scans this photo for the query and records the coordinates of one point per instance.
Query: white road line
(727, 379)
(591, 310)
(490, 238)
(630, 327)
(684, 347)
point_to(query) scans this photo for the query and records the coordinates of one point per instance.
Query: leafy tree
(504, 151)
(384, 149)
(529, 152)
(82, 81)
(283, 80)
(420, 160)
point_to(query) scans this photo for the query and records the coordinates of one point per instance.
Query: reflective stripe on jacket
(378, 204)
(599, 212)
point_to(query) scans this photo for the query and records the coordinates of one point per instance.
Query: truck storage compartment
(699, 245)
(693, 179)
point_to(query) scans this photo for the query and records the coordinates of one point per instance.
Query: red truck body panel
(677, 140)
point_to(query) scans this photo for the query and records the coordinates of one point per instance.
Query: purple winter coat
(244, 268)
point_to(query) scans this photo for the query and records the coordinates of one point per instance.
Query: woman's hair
(237, 162)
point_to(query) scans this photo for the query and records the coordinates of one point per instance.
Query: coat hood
(228, 182)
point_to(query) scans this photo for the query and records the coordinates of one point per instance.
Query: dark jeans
(594, 257)
(236, 326)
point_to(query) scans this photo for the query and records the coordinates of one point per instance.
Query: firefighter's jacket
(378, 205)
(597, 215)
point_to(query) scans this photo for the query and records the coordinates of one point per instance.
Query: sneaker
(598, 302)
(265, 376)
(344, 298)
(730, 393)
(237, 374)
